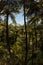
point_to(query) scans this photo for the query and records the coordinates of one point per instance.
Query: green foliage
(16, 37)
(17, 47)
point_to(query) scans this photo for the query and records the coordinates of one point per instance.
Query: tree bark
(7, 33)
(26, 36)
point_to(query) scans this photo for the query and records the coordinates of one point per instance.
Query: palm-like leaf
(9, 8)
(13, 18)
(35, 9)
(33, 19)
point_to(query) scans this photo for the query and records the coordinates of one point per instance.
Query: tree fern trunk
(32, 49)
(26, 36)
(35, 34)
(7, 33)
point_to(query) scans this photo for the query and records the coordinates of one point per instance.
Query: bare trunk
(7, 33)
(26, 36)
(35, 34)
(32, 49)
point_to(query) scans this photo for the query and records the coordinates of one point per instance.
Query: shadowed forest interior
(21, 44)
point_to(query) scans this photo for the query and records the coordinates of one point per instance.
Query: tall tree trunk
(41, 39)
(7, 37)
(35, 34)
(32, 49)
(35, 23)
(26, 36)
(7, 33)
